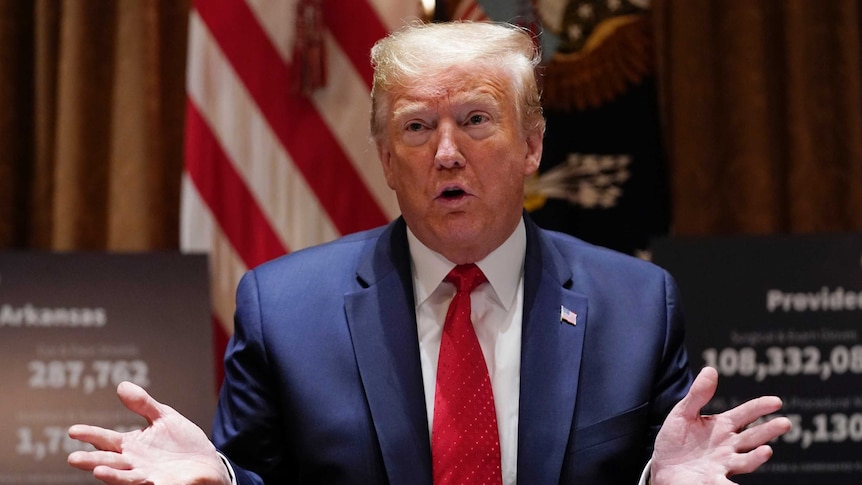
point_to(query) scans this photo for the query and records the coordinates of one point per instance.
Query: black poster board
(783, 316)
(74, 325)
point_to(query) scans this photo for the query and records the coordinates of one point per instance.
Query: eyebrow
(479, 97)
(407, 108)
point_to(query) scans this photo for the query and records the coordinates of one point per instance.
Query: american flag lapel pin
(568, 316)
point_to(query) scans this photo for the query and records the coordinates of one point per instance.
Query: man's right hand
(171, 450)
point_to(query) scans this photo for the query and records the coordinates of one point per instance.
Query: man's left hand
(695, 449)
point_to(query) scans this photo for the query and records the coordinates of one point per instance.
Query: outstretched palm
(695, 449)
(170, 450)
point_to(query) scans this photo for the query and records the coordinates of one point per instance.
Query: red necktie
(465, 444)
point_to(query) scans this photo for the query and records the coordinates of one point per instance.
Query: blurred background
(239, 127)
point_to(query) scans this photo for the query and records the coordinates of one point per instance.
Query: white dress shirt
(496, 312)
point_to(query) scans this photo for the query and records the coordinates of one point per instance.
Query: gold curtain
(92, 103)
(763, 114)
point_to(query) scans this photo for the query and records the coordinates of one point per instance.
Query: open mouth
(452, 193)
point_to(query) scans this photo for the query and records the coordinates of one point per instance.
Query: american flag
(568, 316)
(271, 169)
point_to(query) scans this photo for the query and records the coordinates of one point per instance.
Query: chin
(461, 230)
(462, 247)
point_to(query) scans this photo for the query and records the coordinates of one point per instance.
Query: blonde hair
(428, 49)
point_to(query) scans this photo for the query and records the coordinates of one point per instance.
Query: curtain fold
(16, 140)
(96, 160)
(762, 114)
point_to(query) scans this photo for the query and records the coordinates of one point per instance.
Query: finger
(763, 433)
(748, 462)
(701, 391)
(137, 400)
(89, 460)
(101, 438)
(750, 411)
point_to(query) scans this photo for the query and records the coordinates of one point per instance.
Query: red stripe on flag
(471, 12)
(341, 19)
(223, 190)
(295, 121)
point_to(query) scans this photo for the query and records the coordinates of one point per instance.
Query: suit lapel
(382, 325)
(550, 361)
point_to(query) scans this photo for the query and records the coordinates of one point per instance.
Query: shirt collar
(503, 267)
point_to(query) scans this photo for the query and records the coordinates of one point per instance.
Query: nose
(448, 154)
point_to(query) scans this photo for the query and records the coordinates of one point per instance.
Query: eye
(476, 119)
(413, 126)
(415, 132)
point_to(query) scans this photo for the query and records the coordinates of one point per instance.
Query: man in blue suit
(334, 372)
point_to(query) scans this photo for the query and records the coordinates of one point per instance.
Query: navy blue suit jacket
(323, 382)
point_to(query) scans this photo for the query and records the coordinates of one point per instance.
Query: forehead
(453, 88)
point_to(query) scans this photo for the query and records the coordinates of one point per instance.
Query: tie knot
(466, 277)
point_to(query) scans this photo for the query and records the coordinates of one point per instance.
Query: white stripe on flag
(278, 19)
(394, 13)
(260, 159)
(345, 105)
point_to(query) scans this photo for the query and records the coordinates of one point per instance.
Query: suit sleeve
(247, 428)
(673, 378)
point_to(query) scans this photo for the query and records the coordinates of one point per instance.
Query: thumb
(138, 401)
(702, 390)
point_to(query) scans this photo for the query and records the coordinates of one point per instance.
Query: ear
(534, 153)
(385, 160)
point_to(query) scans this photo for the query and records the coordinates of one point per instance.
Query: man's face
(456, 156)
